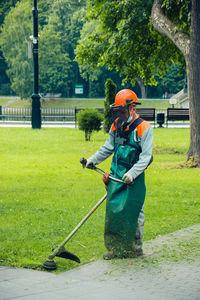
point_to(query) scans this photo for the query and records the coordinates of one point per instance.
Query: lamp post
(36, 108)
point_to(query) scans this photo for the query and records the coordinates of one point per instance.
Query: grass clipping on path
(45, 193)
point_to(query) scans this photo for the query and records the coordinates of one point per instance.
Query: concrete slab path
(169, 270)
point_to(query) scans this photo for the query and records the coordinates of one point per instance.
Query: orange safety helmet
(119, 109)
(125, 97)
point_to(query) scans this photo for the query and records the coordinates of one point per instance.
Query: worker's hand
(127, 178)
(106, 180)
(89, 164)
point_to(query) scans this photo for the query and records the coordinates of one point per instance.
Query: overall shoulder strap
(135, 124)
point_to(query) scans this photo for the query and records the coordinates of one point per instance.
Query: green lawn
(89, 103)
(4, 101)
(45, 193)
(161, 104)
(62, 103)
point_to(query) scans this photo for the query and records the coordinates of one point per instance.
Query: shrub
(110, 91)
(89, 120)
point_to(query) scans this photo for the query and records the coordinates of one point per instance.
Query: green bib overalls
(124, 201)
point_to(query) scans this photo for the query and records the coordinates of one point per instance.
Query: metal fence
(68, 115)
(58, 115)
(12, 114)
(48, 115)
(15, 114)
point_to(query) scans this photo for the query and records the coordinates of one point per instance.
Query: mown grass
(88, 103)
(63, 103)
(158, 104)
(45, 193)
(4, 101)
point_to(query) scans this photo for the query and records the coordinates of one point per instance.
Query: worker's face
(124, 114)
(132, 111)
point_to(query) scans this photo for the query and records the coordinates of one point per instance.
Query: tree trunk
(190, 47)
(193, 73)
(86, 135)
(143, 88)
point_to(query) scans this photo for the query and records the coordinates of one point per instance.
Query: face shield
(120, 115)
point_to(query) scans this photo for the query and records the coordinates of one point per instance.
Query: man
(130, 139)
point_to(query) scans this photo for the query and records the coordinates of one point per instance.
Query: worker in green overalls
(130, 139)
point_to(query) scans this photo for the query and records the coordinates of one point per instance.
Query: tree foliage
(174, 80)
(13, 40)
(55, 62)
(56, 53)
(5, 7)
(4, 80)
(179, 12)
(96, 75)
(124, 39)
(58, 39)
(61, 24)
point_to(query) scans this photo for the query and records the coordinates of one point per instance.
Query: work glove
(89, 164)
(106, 180)
(127, 178)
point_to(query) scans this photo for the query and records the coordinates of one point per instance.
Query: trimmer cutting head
(68, 255)
(50, 264)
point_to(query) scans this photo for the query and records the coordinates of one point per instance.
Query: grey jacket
(145, 141)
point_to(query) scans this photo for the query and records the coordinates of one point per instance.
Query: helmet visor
(120, 112)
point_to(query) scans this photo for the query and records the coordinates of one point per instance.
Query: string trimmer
(60, 251)
(83, 161)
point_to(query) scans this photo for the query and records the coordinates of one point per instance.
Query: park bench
(177, 114)
(147, 114)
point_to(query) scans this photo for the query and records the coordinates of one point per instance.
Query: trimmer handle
(83, 161)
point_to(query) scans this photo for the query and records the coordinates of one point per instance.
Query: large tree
(142, 38)
(187, 39)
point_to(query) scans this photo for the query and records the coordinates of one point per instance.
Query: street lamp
(36, 108)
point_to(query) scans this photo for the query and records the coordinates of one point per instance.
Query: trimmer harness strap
(135, 124)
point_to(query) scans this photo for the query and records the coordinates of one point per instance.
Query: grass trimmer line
(60, 251)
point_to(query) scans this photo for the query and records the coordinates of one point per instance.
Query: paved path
(45, 125)
(71, 124)
(13, 99)
(169, 270)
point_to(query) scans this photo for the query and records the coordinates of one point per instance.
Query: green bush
(89, 120)
(110, 91)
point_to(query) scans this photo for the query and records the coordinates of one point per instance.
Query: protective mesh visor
(120, 113)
